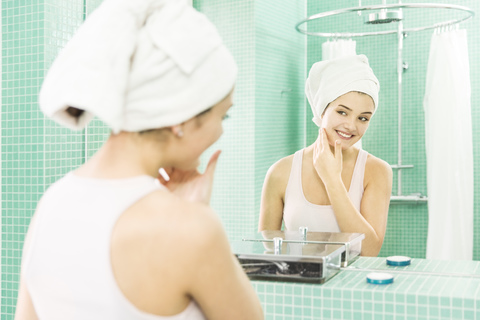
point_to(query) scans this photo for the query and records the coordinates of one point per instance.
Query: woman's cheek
(331, 136)
(364, 128)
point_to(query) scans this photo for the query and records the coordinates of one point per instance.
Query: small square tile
(422, 310)
(468, 315)
(411, 310)
(357, 315)
(337, 314)
(445, 313)
(327, 313)
(445, 302)
(422, 300)
(367, 316)
(411, 299)
(457, 303)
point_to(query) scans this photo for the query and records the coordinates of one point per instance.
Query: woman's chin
(347, 144)
(189, 166)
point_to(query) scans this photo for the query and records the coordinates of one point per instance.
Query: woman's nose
(349, 123)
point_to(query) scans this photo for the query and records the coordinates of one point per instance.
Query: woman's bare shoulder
(376, 168)
(277, 176)
(176, 216)
(176, 229)
(164, 234)
(281, 168)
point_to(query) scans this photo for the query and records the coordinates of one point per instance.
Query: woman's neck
(123, 155)
(347, 154)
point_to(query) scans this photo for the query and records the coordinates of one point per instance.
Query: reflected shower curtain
(449, 148)
(338, 48)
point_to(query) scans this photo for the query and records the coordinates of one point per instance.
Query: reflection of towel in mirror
(328, 80)
(139, 65)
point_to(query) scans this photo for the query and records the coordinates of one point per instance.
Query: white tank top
(68, 271)
(299, 212)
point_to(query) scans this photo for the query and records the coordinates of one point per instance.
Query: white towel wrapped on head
(331, 79)
(139, 65)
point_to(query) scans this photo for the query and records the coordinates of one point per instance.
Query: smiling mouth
(344, 135)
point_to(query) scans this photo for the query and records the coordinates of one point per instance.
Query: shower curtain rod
(470, 14)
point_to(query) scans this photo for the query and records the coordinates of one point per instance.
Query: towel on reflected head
(331, 79)
(139, 65)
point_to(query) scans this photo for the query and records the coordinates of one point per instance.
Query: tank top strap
(356, 186)
(294, 185)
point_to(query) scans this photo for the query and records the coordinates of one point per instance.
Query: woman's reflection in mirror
(332, 185)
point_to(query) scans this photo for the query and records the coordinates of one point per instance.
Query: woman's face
(346, 119)
(203, 131)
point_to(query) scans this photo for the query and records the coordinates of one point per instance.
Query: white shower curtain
(449, 148)
(340, 48)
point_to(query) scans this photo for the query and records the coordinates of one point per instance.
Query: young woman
(331, 185)
(107, 240)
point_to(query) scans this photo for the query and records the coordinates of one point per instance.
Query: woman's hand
(191, 185)
(327, 164)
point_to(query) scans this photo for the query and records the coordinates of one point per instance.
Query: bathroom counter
(426, 289)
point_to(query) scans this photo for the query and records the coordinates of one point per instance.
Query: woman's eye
(363, 119)
(342, 113)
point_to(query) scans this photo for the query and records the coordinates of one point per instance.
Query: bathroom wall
(1, 72)
(233, 185)
(267, 119)
(407, 224)
(23, 131)
(35, 151)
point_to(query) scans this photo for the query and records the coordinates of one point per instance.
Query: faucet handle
(277, 245)
(303, 233)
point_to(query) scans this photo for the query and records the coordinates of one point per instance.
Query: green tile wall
(232, 186)
(97, 132)
(420, 295)
(263, 126)
(35, 151)
(22, 134)
(270, 119)
(279, 90)
(63, 148)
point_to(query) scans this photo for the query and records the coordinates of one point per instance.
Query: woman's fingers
(316, 147)
(338, 150)
(325, 143)
(212, 163)
(317, 141)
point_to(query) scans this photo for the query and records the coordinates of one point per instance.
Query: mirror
(271, 118)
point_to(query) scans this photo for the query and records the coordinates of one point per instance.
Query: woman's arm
(372, 217)
(204, 262)
(216, 280)
(273, 193)
(25, 309)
